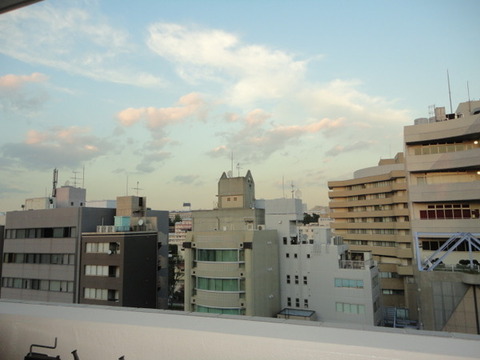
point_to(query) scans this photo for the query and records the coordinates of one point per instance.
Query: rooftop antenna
(55, 181)
(83, 177)
(126, 187)
(293, 191)
(469, 101)
(74, 177)
(231, 165)
(449, 93)
(137, 188)
(238, 169)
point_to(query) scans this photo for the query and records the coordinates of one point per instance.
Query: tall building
(231, 261)
(442, 159)
(126, 264)
(371, 213)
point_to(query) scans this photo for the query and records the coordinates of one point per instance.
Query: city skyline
(166, 96)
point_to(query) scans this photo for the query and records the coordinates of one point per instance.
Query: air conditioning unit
(260, 227)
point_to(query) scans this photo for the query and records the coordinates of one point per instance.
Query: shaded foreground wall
(108, 333)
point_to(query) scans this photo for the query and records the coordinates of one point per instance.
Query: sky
(158, 98)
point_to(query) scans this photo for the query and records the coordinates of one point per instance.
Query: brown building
(119, 269)
(371, 213)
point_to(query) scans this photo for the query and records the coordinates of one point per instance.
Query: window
(305, 282)
(288, 279)
(232, 311)
(349, 283)
(295, 256)
(305, 303)
(213, 284)
(308, 256)
(287, 255)
(37, 284)
(233, 255)
(297, 302)
(296, 279)
(289, 301)
(350, 308)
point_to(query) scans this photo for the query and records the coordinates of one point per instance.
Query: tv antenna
(137, 188)
(238, 169)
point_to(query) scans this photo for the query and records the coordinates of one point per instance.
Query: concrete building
(41, 252)
(371, 213)
(323, 276)
(126, 264)
(231, 261)
(442, 159)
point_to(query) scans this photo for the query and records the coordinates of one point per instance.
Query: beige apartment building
(371, 213)
(231, 261)
(442, 158)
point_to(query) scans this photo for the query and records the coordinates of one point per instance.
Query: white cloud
(68, 147)
(22, 93)
(248, 72)
(73, 40)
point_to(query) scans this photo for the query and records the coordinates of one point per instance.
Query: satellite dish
(140, 222)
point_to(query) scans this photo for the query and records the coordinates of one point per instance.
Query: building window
(305, 282)
(349, 283)
(392, 292)
(213, 284)
(305, 303)
(287, 255)
(285, 240)
(289, 301)
(295, 256)
(350, 308)
(30, 258)
(233, 311)
(308, 256)
(102, 247)
(220, 255)
(288, 279)
(296, 279)
(38, 284)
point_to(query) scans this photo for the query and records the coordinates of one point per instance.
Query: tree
(176, 271)
(307, 218)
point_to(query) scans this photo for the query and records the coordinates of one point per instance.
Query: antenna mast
(449, 92)
(469, 101)
(55, 181)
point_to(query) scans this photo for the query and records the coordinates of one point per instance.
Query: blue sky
(164, 92)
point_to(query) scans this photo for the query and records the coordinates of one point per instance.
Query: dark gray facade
(119, 269)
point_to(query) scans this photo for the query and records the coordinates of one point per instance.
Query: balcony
(218, 269)
(219, 299)
(355, 264)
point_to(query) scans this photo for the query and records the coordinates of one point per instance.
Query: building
(442, 160)
(371, 213)
(41, 252)
(126, 264)
(231, 261)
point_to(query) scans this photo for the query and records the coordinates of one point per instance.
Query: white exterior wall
(108, 333)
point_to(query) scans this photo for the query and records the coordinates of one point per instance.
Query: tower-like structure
(231, 261)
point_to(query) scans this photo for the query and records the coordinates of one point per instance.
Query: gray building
(41, 252)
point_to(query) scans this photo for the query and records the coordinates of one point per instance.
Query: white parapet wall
(108, 333)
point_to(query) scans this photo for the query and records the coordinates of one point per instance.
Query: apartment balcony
(218, 269)
(219, 299)
(396, 284)
(39, 271)
(444, 161)
(404, 253)
(405, 270)
(368, 191)
(378, 237)
(361, 214)
(396, 199)
(446, 225)
(463, 191)
(355, 264)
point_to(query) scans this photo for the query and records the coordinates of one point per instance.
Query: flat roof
(109, 332)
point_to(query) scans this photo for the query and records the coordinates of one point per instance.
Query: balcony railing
(355, 264)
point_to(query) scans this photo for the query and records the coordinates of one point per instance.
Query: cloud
(158, 118)
(73, 40)
(20, 93)
(258, 140)
(186, 179)
(341, 149)
(248, 72)
(150, 161)
(69, 147)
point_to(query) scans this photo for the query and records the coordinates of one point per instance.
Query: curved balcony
(219, 299)
(218, 269)
(459, 191)
(444, 161)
